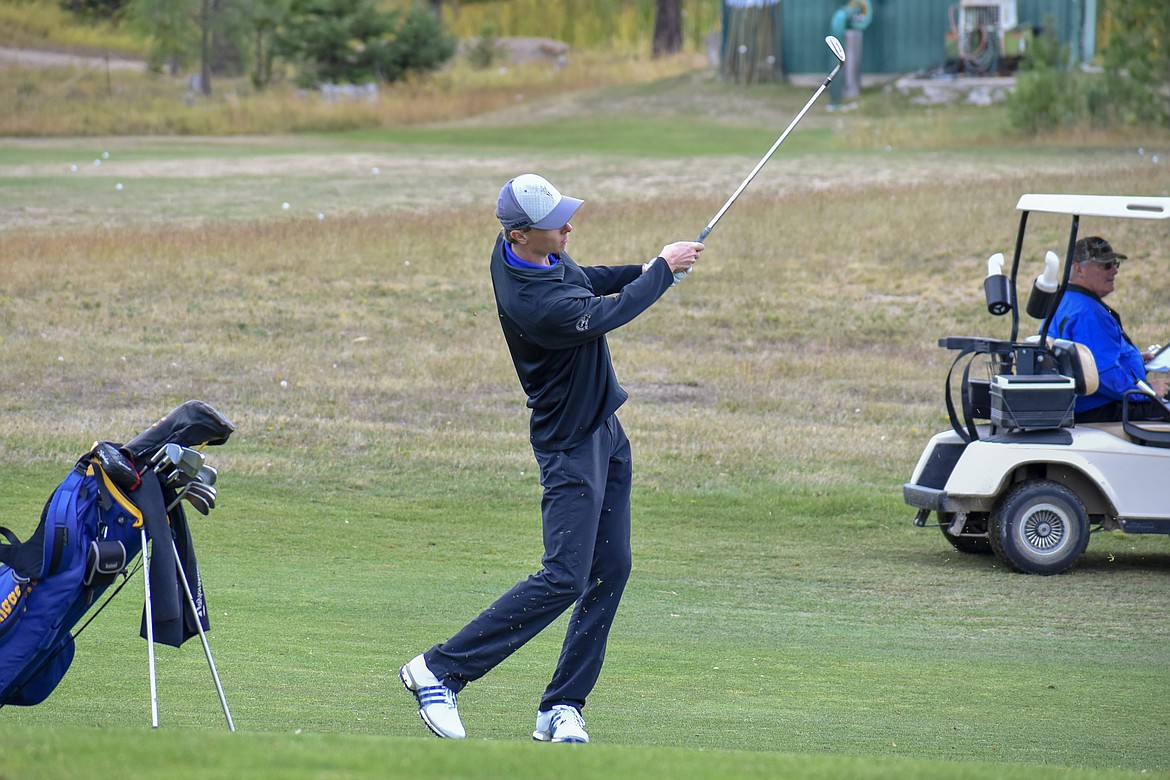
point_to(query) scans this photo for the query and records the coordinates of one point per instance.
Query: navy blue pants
(586, 563)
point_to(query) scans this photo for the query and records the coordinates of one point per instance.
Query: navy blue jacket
(554, 321)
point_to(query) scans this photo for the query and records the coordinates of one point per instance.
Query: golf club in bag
(839, 53)
(118, 502)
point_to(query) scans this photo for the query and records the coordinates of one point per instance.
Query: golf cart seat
(1075, 360)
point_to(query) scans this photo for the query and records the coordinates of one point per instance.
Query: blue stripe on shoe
(435, 694)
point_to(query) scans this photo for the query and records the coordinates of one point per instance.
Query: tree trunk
(258, 68)
(667, 27)
(205, 49)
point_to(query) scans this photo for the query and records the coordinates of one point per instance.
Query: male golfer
(555, 315)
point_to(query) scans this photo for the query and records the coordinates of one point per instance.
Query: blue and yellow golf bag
(92, 528)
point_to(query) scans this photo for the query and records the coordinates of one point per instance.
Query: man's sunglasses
(1107, 265)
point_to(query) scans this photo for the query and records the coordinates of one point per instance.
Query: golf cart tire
(1039, 527)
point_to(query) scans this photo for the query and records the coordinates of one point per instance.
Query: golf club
(167, 456)
(200, 503)
(198, 494)
(201, 496)
(190, 462)
(839, 53)
(174, 462)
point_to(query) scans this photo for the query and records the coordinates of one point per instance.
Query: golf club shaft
(678, 275)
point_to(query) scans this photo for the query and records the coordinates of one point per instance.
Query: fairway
(784, 618)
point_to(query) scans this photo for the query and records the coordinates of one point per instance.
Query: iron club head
(199, 502)
(836, 47)
(203, 489)
(190, 461)
(167, 456)
(201, 496)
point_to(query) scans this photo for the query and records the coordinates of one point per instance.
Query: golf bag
(93, 526)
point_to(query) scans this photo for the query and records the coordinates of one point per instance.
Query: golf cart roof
(1131, 207)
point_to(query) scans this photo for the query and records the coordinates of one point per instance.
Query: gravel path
(35, 58)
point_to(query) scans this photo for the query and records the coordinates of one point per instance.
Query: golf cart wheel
(972, 545)
(1040, 527)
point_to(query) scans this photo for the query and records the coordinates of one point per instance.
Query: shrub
(1046, 94)
(486, 50)
(1134, 89)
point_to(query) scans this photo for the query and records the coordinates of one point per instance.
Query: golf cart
(1014, 475)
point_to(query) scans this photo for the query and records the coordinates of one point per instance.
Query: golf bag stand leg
(149, 633)
(203, 638)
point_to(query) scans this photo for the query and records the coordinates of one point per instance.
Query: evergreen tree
(353, 41)
(172, 26)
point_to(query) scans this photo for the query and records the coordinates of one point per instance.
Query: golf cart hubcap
(1045, 529)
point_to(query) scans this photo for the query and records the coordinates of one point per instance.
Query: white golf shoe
(436, 702)
(563, 723)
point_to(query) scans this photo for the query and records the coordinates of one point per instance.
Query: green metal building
(896, 36)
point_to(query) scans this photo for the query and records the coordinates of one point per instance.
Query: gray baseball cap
(530, 201)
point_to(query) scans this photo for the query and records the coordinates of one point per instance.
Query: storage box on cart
(1032, 402)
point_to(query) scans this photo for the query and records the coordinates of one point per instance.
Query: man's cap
(1094, 249)
(530, 201)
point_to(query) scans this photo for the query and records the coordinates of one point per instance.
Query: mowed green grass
(784, 617)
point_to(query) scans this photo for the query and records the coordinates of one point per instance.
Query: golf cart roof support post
(1015, 271)
(1068, 258)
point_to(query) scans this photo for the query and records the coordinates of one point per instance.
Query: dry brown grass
(803, 348)
(96, 101)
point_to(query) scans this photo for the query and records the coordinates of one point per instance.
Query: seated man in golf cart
(1084, 317)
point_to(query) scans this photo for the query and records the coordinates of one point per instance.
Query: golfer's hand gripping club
(680, 256)
(838, 52)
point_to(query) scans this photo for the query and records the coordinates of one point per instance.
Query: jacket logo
(583, 323)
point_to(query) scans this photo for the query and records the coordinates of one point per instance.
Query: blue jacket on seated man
(1084, 317)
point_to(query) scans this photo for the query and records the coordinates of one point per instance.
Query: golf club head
(167, 456)
(207, 475)
(201, 504)
(200, 495)
(203, 489)
(836, 47)
(190, 462)
(179, 465)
